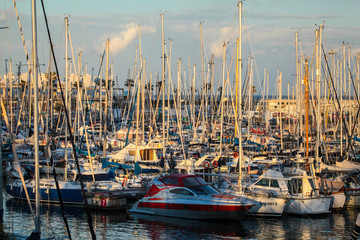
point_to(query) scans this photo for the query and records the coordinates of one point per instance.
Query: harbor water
(18, 224)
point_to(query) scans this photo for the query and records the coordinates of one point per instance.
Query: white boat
(270, 194)
(305, 198)
(297, 191)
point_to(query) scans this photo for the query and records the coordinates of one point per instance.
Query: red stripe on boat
(194, 207)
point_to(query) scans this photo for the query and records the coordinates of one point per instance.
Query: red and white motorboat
(189, 196)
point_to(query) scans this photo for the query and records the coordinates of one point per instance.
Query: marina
(199, 147)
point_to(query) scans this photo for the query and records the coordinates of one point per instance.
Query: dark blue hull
(70, 196)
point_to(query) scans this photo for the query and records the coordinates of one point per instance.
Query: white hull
(338, 200)
(267, 206)
(308, 205)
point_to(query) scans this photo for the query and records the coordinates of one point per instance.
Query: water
(18, 222)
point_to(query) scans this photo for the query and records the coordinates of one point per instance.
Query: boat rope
(89, 219)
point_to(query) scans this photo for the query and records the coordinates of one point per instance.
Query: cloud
(119, 41)
(219, 36)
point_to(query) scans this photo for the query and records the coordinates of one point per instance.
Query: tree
(129, 83)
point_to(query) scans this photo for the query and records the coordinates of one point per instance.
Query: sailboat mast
(106, 97)
(306, 83)
(163, 81)
(36, 116)
(280, 111)
(297, 90)
(179, 94)
(202, 65)
(318, 83)
(66, 93)
(239, 94)
(11, 96)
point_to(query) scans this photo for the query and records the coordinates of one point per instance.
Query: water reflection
(158, 227)
(120, 225)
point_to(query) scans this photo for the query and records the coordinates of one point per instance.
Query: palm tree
(158, 87)
(129, 83)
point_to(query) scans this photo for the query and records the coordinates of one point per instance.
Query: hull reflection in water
(164, 227)
(110, 225)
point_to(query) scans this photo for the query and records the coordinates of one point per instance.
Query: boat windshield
(98, 177)
(203, 190)
(198, 186)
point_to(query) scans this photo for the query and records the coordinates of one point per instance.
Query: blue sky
(269, 31)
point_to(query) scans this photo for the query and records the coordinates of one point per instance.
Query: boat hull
(47, 195)
(338, 200)
(69, 195)
(199, 211)
(267, 206)
(308, 206)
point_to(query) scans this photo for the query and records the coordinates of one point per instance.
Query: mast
(280, 111)
(299, 118)
(239, 94)
(143, 79)
(193, 100)
(222, 99)
(306, 83)
(211, 89)
(168, 91)
(318, 83)
(106, 97)
(142, 84)
(288, 105)
(11, 97)
(163, 81)
(202, 65)
(179, 94)
(36, 116)
(66, 93)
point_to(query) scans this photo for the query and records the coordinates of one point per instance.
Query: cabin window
(295, 186)
(181, 191)
(263, 182)
(274, 184)
(132, 153)
(171, 181)
(98, 177)
(204, 189)
(190, 181)
(200, 180)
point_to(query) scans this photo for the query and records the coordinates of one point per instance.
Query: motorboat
(189, 196)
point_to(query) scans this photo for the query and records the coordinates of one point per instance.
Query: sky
(268, 33)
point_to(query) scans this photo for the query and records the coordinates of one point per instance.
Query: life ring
(235, 154)
(215, 164)
(206, 164)
(171, 142)
(124, 181)
(144, 182)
